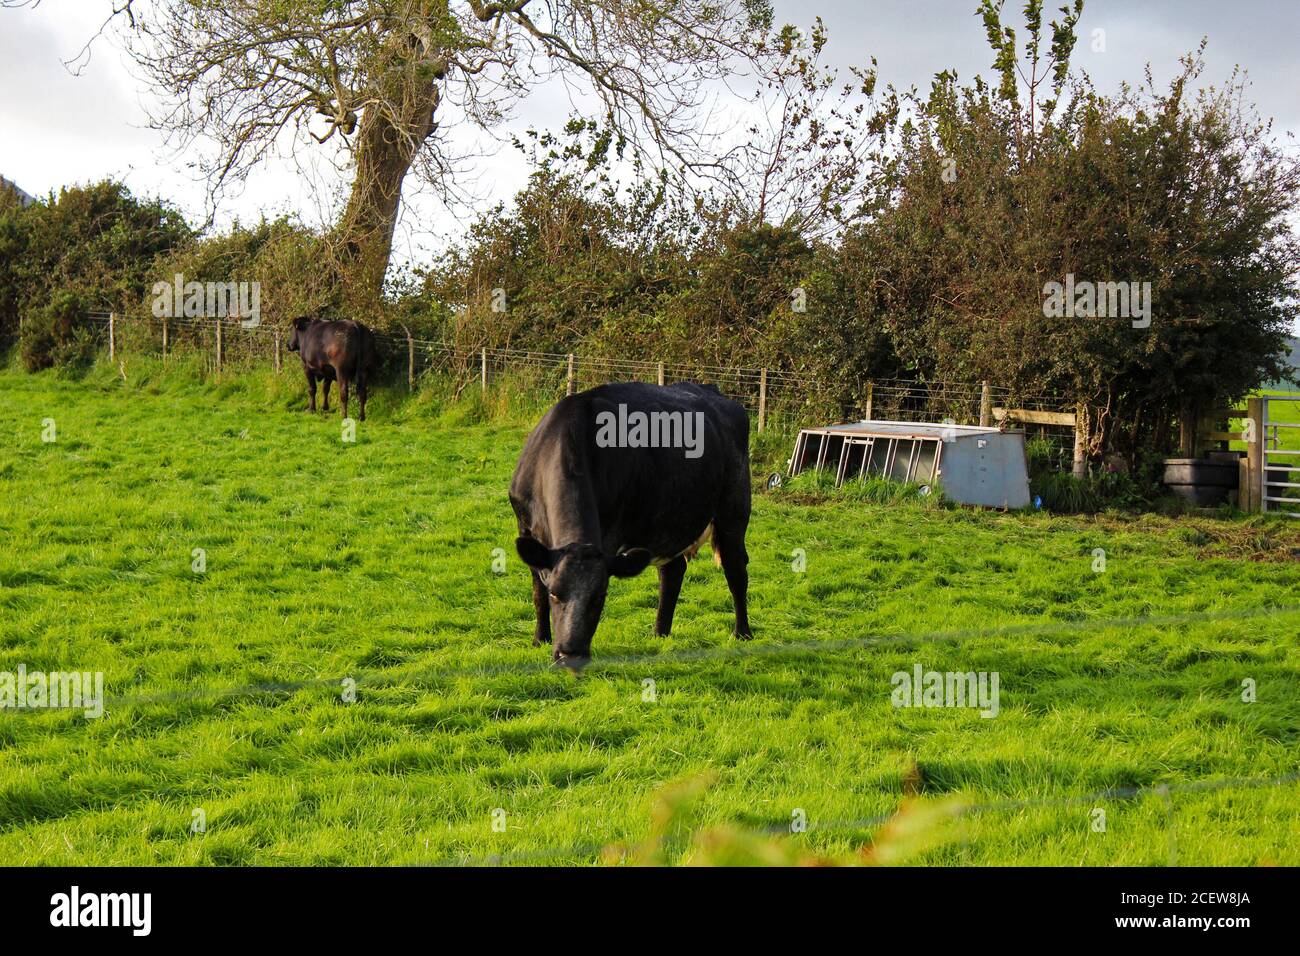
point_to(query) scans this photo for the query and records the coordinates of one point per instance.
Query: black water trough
(1203, 481)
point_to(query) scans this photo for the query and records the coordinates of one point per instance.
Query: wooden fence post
(986, 405)
(1252, 494)
(568, 388)
(218, 344)
(1080, 441)
(871, 386)
(112, 339)
(483, 369)
(277, 350)
(661, 373)
(410, 361)
(762, 399)
(164, 338)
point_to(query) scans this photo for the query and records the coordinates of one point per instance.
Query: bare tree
(809, 160)
(389, 80)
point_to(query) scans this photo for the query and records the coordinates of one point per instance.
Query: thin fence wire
(789, 400)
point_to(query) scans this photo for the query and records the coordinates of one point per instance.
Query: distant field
(374, 561)
(1279, 411)
(1286, 411)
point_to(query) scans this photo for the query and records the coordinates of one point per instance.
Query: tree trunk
(1188, 426)
(384, 150)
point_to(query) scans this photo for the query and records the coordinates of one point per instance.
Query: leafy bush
(52, 335)
(282, 256)
(91, 247)
(1062, 492)
(1065, 493)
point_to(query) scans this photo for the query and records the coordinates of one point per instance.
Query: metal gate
(1280, 475)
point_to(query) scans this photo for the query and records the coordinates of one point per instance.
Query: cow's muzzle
(573, 662)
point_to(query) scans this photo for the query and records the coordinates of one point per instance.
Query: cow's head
(577, 577)
(299, 325)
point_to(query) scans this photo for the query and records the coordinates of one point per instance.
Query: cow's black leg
(311, 391)
(362, 391)
(735, 559)
(542, 605)
(670, 585)
(326, 382)
(343, 395)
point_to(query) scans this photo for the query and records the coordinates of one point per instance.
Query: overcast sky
(57, 129)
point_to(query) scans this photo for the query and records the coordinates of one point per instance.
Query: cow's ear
(535, 554)
(629, 564)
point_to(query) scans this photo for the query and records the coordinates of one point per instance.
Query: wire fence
(779, 399)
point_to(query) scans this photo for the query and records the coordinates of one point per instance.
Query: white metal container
(973, 465)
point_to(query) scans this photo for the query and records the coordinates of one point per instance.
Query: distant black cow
(335, 350)
(622, 476)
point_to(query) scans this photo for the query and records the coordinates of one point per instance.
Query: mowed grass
(374, 561)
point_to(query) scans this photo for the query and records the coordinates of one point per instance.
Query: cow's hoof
(746, 636)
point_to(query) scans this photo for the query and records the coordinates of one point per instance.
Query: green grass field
(373, 561)
(1281, 409)
(1288, 412)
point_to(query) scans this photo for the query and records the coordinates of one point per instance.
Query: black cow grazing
(622, 476)
(335, 350)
